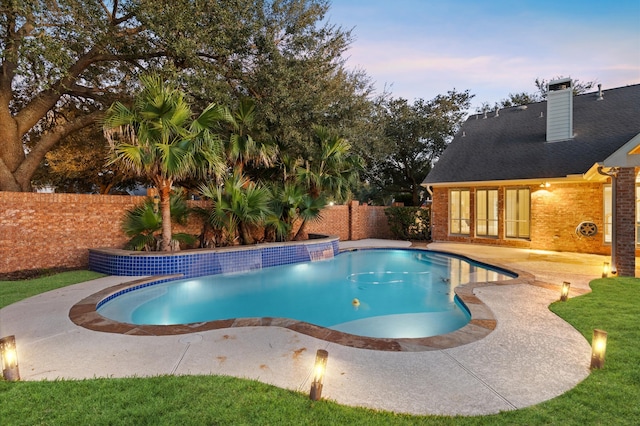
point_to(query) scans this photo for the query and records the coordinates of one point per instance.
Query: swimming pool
(384, 293)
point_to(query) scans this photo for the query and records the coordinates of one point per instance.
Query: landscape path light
(318, 374)
(598, 348)
(605, 270)
(564, 292)
(9, 356)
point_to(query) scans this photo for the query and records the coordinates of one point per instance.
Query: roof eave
(589, 176)
(627, 156)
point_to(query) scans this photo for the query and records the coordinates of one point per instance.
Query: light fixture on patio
(564, 292)
(9, 355)
(598, 348)
(545, 185)
(605, 270)
(318, 374)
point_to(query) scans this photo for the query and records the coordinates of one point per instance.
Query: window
(608, 215)
(638, 210)
(459, 217)
(517, 212)
(487, 212)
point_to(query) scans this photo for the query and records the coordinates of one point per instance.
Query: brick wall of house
(439, 212)
(55, 230)
(556, 212)
(625, 222)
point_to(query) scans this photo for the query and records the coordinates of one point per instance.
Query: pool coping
(482, 323)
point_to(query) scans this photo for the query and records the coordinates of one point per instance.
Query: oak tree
(63, 62)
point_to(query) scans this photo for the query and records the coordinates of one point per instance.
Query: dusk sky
(422, 48)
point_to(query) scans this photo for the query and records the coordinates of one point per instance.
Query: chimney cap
(560, 84)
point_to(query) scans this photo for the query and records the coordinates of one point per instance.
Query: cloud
(416, 71)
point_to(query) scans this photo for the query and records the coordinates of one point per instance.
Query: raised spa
(385, 293)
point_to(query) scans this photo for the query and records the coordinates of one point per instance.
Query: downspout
(430, 191)
(613, 174)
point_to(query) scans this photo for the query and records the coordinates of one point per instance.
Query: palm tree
(238, 205)
(242, 148)
(159, 139)
(331, 170)
(142, 223)
(285, 201)
(291, 202)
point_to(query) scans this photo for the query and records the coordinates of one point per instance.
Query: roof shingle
(513, 145)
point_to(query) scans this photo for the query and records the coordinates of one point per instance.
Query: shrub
(409, 223)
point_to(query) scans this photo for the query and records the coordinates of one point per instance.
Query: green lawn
(13, 291)
(610, 396)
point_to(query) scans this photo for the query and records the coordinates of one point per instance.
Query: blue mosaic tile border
(129, 289)
(210, 262)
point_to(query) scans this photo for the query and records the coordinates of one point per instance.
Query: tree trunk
(17, 168)
(11, 152)
(301, 231)
(164, 190)
(245, 234)
(415, 195)
(7, 181)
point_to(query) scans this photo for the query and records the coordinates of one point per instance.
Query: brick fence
(55, 230)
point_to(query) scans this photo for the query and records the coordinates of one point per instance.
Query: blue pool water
(400, 294)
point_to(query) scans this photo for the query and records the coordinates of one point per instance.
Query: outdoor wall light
(605, 270)
(9, 355)
(598, 348)
(318, 374)
(564, 292)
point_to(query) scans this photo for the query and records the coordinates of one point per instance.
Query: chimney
(560, 110)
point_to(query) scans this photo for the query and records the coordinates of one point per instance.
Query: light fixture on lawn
(605, 270)
(9, 355)
(564, 292)
(598, 348)
(318, 374)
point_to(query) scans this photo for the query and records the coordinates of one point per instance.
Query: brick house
(555, 175)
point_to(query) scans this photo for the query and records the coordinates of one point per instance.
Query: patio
(530, 357)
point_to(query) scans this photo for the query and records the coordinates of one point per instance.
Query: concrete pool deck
(531, 356)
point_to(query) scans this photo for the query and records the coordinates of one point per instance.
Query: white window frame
(607, 213)
(517, 220)
(487, 213)
(459, 212)
(638, 210)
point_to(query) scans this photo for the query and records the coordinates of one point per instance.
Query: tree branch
(28, 167)
(47, 99)
(110, 14)
(122, 18)
(9, 62)
(86, 92)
